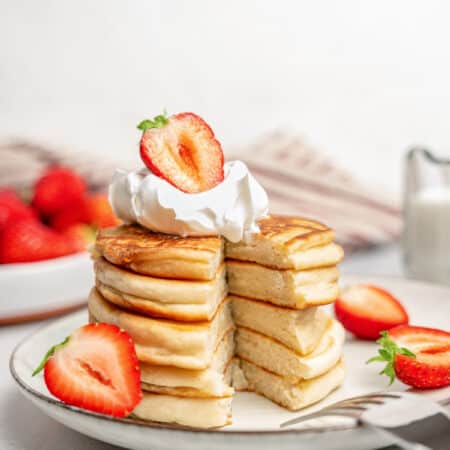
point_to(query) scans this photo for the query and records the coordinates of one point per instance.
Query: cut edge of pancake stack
(289, 349)
(169, 294)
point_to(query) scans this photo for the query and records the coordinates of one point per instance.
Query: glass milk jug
(426, 237)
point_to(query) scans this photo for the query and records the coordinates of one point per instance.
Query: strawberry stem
(158, 121)
(387, 353)
(49, 354)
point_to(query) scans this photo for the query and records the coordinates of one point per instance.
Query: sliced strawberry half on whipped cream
(183, 150)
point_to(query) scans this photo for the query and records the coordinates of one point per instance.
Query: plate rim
(45, 263)
(183, 429)
(41, 314)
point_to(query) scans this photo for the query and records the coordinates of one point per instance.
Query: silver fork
(412, 421)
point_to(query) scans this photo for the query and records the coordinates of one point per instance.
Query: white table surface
(24, 427)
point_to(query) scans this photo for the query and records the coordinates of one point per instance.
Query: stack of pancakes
(169, 294)
(289, 349)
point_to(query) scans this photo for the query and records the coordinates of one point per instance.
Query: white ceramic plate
(256, 420)
(41, 289)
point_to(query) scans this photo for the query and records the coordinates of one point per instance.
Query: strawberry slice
(366, 310)
(423, 361)
(183, 150)
(96, 368)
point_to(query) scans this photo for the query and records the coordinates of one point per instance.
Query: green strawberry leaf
(158, 121)
(387, 353)
(376, 359)
(390, 372)
(49, 354)
(406, 352)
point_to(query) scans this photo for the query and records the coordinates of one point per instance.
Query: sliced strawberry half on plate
(366, 310)
(183, 150)
(417, 356)
(96, 368)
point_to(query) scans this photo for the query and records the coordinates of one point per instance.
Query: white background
(361, 80)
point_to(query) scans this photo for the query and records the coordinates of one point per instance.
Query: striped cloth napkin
(299, 180)
(22, 162)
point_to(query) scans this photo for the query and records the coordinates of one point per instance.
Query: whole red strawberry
(96, 368)
(72, 214)
(81, 232)
(29, 240)
(12, 208)
(98, 211)
(93, 209)
(57, 188)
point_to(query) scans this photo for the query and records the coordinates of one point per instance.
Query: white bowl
(40, 289)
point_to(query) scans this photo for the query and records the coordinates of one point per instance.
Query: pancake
(238, 380)
(286, 242)
(166, 342)
(299, 330)
(161, 290)
(276, 357)
(191, 412)
(292, 288)
(161, 255)
(175, 311)
(214, 381)
(292, 396)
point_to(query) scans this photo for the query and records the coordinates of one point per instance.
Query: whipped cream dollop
(231, 209)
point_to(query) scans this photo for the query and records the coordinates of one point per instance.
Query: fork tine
(301, 419)
(375, 395)
(371, 401)
(349, 407)
(344, 411)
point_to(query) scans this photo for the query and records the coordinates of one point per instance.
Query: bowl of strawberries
(45, 233)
